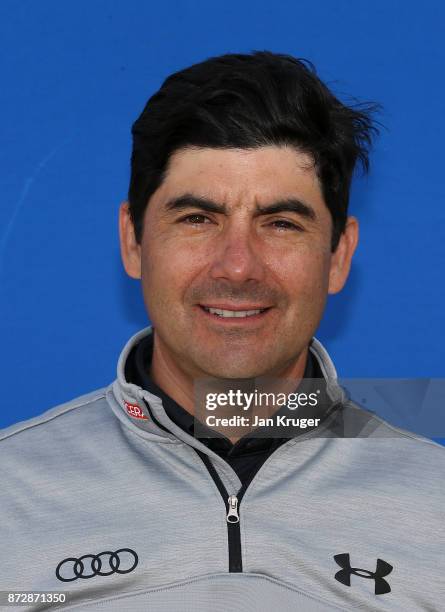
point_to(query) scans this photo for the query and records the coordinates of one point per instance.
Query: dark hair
(248, 101)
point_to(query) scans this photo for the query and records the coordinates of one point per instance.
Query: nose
(237, 255)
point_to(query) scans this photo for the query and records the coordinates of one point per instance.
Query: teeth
(233, 313)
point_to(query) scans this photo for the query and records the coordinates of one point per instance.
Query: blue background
(75, 75)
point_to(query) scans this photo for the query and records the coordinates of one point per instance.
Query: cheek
(305, 276)
(167, 270)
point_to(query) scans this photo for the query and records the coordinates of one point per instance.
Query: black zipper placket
(232, 503)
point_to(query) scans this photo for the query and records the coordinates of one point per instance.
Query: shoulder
(77, 415)
(60, 449)
(367, 424)
(401, 455)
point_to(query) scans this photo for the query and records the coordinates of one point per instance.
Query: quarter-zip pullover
(108, 500)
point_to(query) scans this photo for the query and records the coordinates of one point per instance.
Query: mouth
(238, 315)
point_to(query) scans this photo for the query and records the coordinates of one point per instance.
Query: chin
(231, 370)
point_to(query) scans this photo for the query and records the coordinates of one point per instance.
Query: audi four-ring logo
(103, 564)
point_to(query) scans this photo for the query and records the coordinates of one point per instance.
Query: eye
(194, 219)
(283, 224)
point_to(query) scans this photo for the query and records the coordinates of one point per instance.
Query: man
(237, 226)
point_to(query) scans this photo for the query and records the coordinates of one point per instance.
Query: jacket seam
(207, 577)
(401, 432)
(52, 417)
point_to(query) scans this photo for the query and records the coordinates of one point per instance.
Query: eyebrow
(294, 205)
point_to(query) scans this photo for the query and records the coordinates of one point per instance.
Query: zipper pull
(232, 515)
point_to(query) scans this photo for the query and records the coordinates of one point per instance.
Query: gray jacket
(105, 499)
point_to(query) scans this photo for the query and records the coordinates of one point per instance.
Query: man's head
(241, 172)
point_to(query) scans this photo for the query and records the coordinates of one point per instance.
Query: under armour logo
(382, 569)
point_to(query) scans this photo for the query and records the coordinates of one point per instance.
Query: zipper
(232, 515)
(232, 503)
(234, 534)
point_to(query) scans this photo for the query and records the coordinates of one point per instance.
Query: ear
(342, 257)
(130, 249)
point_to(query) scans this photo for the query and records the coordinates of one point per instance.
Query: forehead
(242, 176)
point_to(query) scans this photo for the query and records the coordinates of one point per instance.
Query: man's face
(235, 252)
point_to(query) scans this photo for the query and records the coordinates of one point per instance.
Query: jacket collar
(144, 413)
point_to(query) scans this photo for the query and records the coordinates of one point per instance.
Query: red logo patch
(135, 411)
